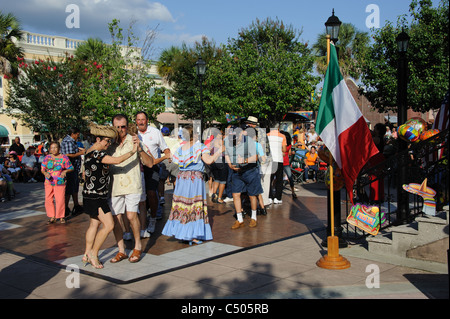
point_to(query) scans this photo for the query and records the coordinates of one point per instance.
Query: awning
(171, 118)
(3, 131)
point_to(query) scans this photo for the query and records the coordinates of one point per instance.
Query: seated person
(13, 165)
(311, 160)
(5, 177)
(29, 163)
(3, 185)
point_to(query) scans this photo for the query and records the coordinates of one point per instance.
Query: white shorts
(125, 203)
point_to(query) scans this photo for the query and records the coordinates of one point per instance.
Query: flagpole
(328, 48)
(331, 157)
(332, 260)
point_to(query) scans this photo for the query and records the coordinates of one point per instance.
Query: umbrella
(295, 117)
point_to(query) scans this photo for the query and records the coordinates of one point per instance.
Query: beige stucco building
(40, 46)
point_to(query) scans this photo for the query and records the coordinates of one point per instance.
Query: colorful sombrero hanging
(427, 193)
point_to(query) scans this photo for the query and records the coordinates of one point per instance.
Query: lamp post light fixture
(14, 124)
(200, 69)
(402, 42)
(332, 27)
(402, 214)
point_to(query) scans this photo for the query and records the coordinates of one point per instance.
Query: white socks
(241, 219)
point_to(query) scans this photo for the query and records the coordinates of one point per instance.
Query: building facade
(40, 46)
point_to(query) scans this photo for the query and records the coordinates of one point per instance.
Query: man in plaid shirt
(70, 148)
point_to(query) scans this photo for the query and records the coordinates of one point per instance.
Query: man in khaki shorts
(127, 188)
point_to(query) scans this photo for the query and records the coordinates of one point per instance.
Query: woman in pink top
(54, 167)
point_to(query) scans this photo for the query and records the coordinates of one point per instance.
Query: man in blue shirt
(70, 148)
(241, 156)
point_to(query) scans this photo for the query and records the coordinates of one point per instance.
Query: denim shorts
(249, 181)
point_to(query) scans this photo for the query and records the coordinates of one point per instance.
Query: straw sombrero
(103, 130)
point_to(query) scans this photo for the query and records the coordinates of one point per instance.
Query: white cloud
(48, 16)
(178, 39)
(140, 9)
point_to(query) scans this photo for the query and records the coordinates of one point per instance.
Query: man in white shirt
(153, 139)
(312, 137)
(277, 143)
(31, 169)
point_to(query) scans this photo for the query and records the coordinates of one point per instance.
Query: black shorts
(219, 172)
(91, 206)
(151, 176)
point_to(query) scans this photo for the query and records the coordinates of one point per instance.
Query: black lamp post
(402, 214)
(200, 69)
(332, 26)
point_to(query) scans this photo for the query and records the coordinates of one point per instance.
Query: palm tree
(91, 50)
(9, 52)
(350, 46)
(167, 61)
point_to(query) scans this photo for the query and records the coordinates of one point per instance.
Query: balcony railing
(43, 40)
(426, 159)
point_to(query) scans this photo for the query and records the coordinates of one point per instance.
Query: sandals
(95, 263)
(119, 257)
(135, 256)
(51, 220)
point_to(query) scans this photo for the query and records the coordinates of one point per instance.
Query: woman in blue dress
(188, 219)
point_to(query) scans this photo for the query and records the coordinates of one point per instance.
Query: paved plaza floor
(275, 260)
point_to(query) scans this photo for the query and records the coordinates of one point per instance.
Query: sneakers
(228, 199)
(145, 234)
(32, 180)
(277, 201)
(151, 225)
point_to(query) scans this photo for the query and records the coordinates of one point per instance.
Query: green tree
(427, 56)
(46, 96)
(9, 29)
(118, 80)
(351, 46)
(91, 50)
(266, 71)
(186, 85)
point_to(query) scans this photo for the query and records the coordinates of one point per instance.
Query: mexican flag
(341, 125)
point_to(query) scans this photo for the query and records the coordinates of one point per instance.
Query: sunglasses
(123, 126)
(108, 141)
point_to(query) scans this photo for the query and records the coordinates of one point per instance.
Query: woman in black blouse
(95, 190)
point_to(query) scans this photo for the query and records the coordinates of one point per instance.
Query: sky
(186, 21)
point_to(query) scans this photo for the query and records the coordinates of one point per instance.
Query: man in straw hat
(252, 121)
(127, 187)
(266, 165)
